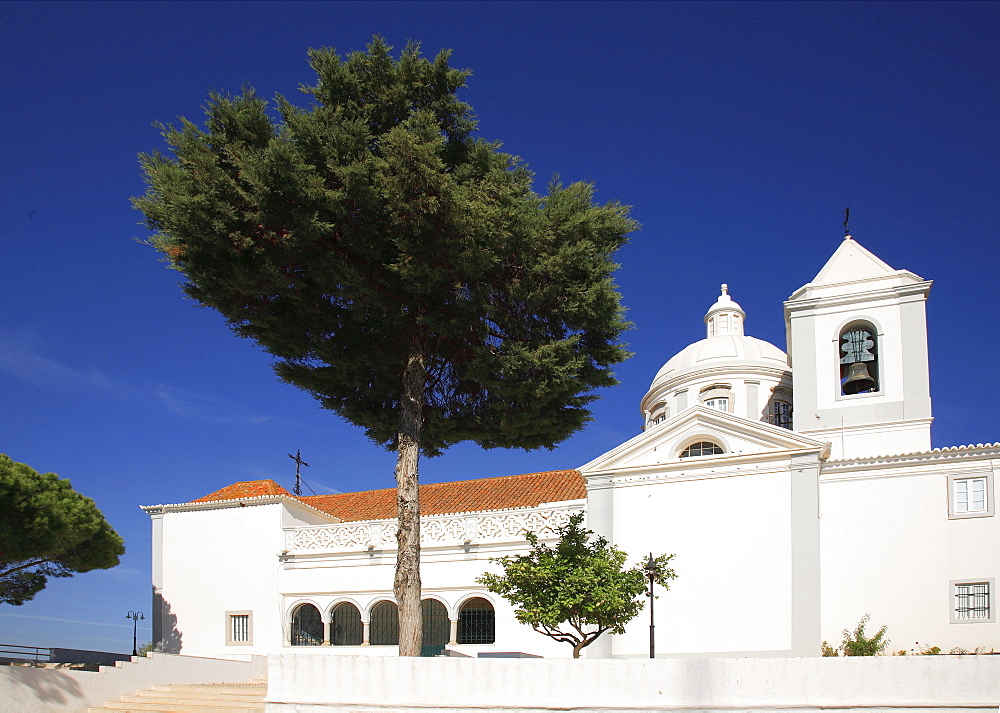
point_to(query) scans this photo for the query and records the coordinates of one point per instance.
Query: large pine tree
(400, 270)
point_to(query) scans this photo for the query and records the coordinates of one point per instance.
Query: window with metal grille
(476, 622)
(307, 626)
(239, 628)
(346, 628)
(384, 625)
(782, 414)
(972, 601)
(702, 448)
(436, 626)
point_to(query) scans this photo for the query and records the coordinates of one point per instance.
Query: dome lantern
(725, 317)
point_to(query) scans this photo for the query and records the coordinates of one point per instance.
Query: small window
(702, 448)
(476, 622)
(722, 404)
(859, 371)
(781, 413)
(717, 396)
(658, 414)
(972, 602)
(307, 626)
(239, 631)
(346, 628)
(385, 624)
(970, 497)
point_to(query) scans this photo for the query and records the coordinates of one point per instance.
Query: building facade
(799, 490)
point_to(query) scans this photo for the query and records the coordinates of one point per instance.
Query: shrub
(858, 643)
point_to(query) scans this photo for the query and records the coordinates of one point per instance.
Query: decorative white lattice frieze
(434, 531)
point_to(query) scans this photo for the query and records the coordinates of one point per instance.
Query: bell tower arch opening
(858, 347)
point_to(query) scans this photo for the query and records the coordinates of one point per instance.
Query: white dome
(726, 350)
(727, 370)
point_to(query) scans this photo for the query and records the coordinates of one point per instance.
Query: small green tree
(47, 529)
(858, 643)
(401, 270)
(578, 589)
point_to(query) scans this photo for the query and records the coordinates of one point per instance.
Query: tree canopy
(47, 529)
(578, 589)
(401, 270)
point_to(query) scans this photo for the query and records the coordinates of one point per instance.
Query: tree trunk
(407, 582)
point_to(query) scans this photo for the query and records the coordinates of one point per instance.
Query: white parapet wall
(47, 690)
(302, 683)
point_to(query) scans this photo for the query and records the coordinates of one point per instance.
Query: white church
(799, 490)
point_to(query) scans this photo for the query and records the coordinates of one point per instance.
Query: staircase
(194, 698)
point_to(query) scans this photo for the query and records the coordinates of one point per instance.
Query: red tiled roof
(503, 493)
(246, 489)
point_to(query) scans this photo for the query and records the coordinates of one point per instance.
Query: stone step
(205, 698)
(213, 695)
(177, 707)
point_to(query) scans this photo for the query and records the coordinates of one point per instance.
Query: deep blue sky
(739, 132)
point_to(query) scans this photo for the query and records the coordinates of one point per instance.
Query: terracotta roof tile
(503, 493)
(245, 489)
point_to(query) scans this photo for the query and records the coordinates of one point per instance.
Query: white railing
(435, 530)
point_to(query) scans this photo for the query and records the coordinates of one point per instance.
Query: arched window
(346, 628)
(659, 413)
(436, 626)
(476, 622)
(702, 448)
(307, 626)
(859, 371)
(384, 624)
(718, 396)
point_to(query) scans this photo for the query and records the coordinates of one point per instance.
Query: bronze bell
(858, 379)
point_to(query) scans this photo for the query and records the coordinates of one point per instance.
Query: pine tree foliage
(578, 589)
(47, 529)
(401, 270)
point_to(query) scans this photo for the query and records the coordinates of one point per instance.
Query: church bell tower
(857, 342)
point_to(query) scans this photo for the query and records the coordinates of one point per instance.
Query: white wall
(889, 550)
(318, 683)
(727, 597)
(221, 560)
(45, 690)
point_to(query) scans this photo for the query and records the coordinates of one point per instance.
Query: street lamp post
(651, 571)
(135, 616)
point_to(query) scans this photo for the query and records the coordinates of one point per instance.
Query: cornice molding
(254, 501)
(945, 454)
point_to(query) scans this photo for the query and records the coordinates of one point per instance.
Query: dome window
(718, 396)
(781, 414)
(702, 448)
(660, 413)
(721, 403)
(859, 372)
